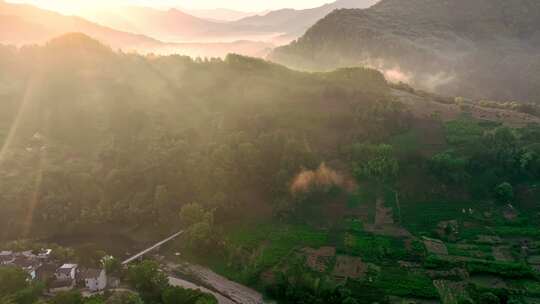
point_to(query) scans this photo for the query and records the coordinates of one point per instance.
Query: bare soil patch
(319, 259)
(384, 222)
(435, 246)
(349, 267)
(503, 254)
(383, 215)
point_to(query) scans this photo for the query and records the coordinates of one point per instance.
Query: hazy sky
(73, 6)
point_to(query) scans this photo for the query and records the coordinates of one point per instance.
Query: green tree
(448, 168)
(68, 297)
(12, 280)
(200, 233)
(178, 295)
(376, 162)
(504, 193)
(198, 224)
(112, 265)
(191, 214)
(148, 280)
(163, 203)
(488, 298)
(30, 294)
(124, 298)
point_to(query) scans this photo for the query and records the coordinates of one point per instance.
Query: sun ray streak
(24, 110)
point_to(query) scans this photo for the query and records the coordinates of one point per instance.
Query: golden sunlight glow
(84, 6)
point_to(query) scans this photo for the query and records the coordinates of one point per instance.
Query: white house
(66, 272)
(94, 279)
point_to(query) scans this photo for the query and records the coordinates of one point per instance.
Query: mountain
(293, 23)
(476, 48)
(219, 14)
(173, 25)
(279, 27)
(26, 24)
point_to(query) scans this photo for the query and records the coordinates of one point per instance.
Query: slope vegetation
(478, 48)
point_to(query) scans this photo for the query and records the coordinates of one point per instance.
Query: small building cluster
(57, 276)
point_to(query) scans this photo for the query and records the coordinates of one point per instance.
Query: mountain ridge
(22, 24)
(462, 53)
(294, 22)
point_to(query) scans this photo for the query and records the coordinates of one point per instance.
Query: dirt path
(384, 222)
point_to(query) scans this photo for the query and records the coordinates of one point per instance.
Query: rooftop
(68, 266)
(24, 262)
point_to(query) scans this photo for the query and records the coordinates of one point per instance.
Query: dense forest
(283, 180)
(92, 137)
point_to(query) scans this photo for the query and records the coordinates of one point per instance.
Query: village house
(64, 278)
(93, 279)
(28, 265)
(67, 272)
(46, 272)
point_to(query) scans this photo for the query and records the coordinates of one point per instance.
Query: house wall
(62, 276)
(73, 273)
(99, 283)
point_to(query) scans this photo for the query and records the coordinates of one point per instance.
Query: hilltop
(482, 49)
(291, 23)
(26, 24)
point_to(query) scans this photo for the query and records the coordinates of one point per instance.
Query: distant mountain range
(293, 23)
(144, 29)
(172, 25)
(25, 24)
(478, 48)
(175, 25)
(219, 14)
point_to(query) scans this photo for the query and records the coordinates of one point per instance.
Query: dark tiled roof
(5, 258)
(66, 271)
(24, 262)
(48, 267)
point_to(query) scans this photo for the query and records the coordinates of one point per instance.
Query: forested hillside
(333, 187)
(91, 136)
(482, 49)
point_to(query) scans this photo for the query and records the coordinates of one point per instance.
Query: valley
(353, 152)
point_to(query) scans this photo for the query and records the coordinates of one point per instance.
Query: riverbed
(225, 290)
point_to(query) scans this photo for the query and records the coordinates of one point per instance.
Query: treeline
(488, 161)
(94, 137)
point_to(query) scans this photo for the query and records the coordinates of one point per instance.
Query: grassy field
(269, 245)
(422, 217)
